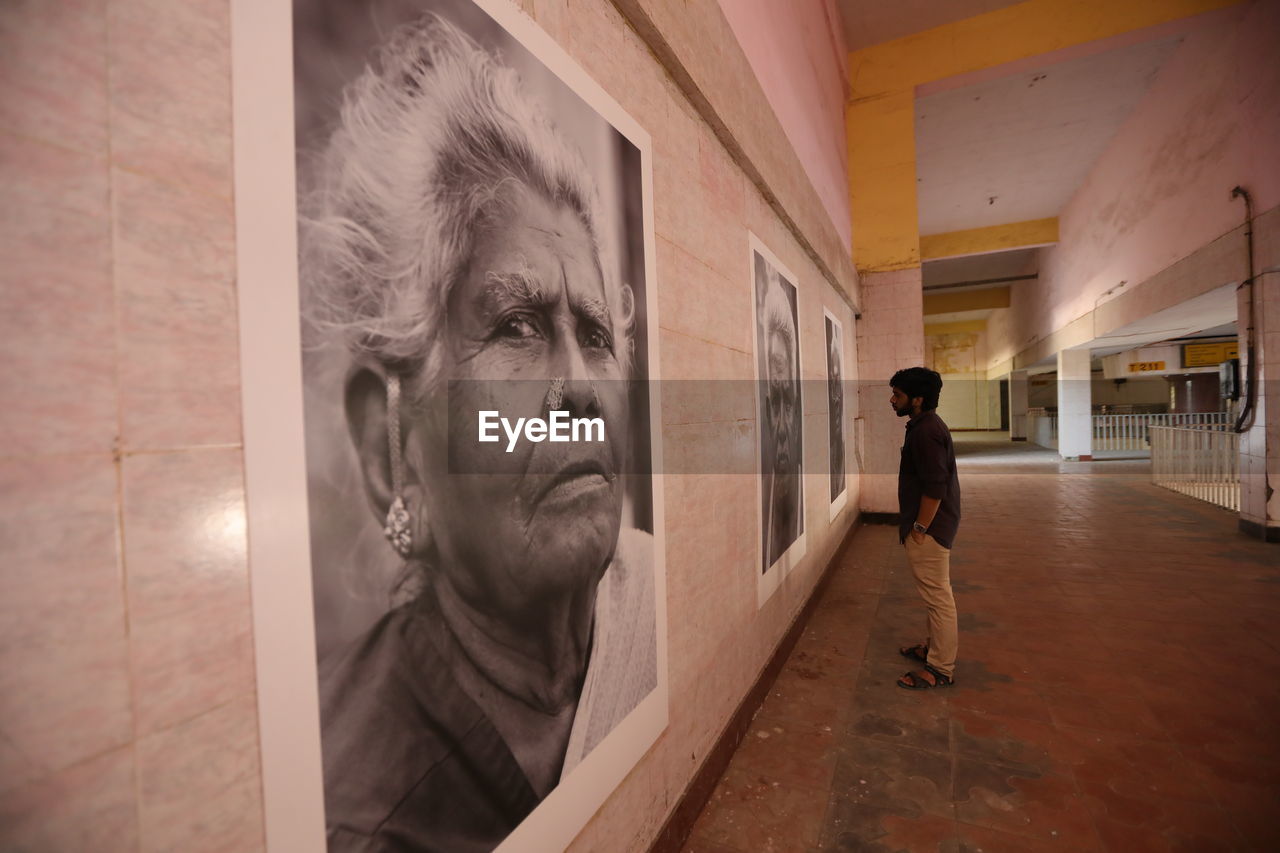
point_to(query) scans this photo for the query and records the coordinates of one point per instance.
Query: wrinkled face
(543, 519)
(780, 402)
(835, 387)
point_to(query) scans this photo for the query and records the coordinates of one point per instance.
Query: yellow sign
(1145, 366)
(1207, 355)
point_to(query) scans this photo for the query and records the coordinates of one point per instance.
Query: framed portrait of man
(444, 229)
(780, 416)
(834, 334)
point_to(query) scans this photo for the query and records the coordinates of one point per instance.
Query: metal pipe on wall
(1251, 376)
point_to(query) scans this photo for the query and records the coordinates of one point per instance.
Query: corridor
(1117, 688)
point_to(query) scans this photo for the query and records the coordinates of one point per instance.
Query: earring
(397, 528)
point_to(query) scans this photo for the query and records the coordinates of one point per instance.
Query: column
(1260, 443)
(890, 337)
(1075, 420)
(1018, 405)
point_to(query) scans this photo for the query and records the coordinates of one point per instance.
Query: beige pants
(931, 566)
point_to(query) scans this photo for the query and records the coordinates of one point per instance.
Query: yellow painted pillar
(882, 182)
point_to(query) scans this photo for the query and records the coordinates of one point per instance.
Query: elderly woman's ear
(369, 409)
(366, 404)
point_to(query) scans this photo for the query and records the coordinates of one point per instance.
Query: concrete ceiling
(1210, 313)
(868, 22)
(1017, 147)
(1226, 330)
(959, 316)
(977, 271)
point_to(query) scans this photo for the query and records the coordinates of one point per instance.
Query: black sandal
(913, 681)
(918, 652)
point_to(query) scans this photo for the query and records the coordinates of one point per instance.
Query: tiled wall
(1269, 287)
(127, 712)
(890, 337)
(1260, 445)
(128, 717)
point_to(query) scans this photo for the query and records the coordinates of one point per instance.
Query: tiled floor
(1118, 685)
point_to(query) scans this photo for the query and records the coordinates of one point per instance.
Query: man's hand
(917, 537)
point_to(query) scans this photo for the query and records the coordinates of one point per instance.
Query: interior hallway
(1117, 687)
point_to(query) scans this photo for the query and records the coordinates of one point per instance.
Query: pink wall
(128, 703)
(798, 53)
(1162, 188)
(127, 700)
(892, 340)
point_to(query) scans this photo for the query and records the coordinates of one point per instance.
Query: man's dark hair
(919, 382)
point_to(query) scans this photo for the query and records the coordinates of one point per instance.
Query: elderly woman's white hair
(777, 317)
(428, 139)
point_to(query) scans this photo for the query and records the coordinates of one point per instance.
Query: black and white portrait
(472, 237)
(835, 408)
(780, 411)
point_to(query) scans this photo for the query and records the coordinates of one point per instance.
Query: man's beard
(903, 412)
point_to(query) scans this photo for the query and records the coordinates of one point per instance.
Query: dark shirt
(410, 761)
(928, 467)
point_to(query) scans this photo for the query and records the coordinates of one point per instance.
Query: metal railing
(1129, 432)
(1202, 463)
(1124, 432)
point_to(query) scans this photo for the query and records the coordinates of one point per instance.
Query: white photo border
(839, 501)
(768, 581)
(274, 452)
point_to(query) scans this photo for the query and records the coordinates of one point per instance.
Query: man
(929, 516)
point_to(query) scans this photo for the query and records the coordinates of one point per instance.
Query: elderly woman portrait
(485, 617)
(835, 405)
(780, 438)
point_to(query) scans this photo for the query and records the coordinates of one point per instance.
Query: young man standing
(929, 516)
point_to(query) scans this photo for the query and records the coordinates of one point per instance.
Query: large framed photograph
(835, 411)
(444, 228)
(780, 416)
